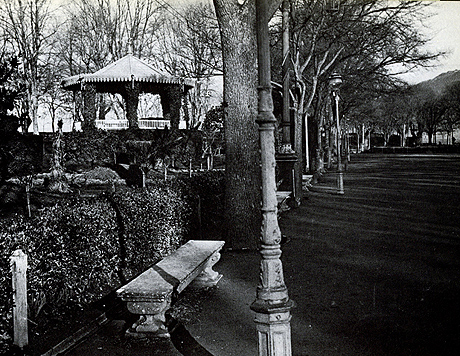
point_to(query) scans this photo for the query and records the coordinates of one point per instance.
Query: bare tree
(452, 115)
(101, 31)
(190, 47)
(392, 112)
(237, 23)
(431, 114)
(98, 32)
(30, 29)
(57, 102)
(368, 41)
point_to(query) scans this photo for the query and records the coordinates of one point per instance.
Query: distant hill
(439, 83)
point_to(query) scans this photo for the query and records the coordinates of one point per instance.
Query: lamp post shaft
(272, 305)
(339, 146)
(286, 118)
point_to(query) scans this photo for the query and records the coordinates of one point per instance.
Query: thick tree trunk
(243, 181)
(430, 136)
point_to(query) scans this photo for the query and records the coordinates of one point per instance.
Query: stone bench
(149, 295)
(282, 196)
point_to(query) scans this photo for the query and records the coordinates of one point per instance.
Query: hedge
(88, 149)
(72, 255)
(152, 224)
(204, 193)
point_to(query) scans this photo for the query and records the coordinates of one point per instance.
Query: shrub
(79, 250)
(86, 150)
(204, 193)
(102, 174)
(154, 222)
(72, 253)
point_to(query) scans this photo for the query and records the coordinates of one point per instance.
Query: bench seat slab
(149, 294)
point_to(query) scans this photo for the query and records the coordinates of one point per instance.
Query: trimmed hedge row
(204, 193)
(81, 248)
(152, 224)
(88, 149)
(72, 256)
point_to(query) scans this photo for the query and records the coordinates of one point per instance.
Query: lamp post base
(273, 328)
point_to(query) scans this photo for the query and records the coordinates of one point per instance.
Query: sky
(444, 29)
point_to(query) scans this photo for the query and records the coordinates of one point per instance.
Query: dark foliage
(204, 193)
(14, 149)
(72, 253)
(153, 223)
(92, 148)
(88, 149)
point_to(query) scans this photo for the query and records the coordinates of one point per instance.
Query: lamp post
(335, 80)
(348, 144)
(272, 305)
(289, 169)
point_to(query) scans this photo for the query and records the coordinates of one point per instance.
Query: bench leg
(151, 322)
(209, 277)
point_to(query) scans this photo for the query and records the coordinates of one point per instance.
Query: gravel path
(373, 272)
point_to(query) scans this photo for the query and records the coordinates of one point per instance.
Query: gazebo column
(171, 100)
(131, 97)
(89, 106)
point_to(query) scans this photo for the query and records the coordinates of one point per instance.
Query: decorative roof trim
(91, 78)
(109, 74)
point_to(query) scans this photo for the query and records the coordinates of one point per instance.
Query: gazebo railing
(112, 124)
(123, 124)
(154, 124)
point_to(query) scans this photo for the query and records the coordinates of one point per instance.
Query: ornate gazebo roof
(130, 76)
(125, 70)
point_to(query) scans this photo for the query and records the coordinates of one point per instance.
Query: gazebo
(130, 76)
